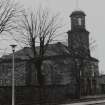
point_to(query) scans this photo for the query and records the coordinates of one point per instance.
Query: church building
(71, 70)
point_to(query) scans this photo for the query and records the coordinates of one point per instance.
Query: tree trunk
(40, 78)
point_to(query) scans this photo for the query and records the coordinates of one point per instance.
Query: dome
(77, 13)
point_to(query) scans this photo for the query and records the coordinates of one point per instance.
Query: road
(95, 102)
(100, 104)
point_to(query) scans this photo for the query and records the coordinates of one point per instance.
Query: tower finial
(77, 4)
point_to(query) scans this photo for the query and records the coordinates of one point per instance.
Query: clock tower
(78, 36)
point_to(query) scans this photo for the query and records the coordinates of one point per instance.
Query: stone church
(70, 69)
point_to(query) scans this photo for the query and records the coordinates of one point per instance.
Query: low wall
(30, 95)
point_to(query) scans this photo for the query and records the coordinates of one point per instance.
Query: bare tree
(9, 11)
(40, 29)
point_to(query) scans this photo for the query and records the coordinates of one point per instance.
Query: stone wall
(6, 73)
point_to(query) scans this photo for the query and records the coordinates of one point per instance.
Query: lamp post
(13, 79)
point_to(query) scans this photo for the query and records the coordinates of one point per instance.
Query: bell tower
(78, 36)
(77, 20)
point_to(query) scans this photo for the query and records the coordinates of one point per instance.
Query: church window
(93, 74)
(65, 61)
(7, 81)
(80, 73)
(0, 68)
(35, 75)
(1, 82)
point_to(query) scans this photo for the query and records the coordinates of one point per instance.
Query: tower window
(79, 21)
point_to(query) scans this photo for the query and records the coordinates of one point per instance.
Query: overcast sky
(95, 19)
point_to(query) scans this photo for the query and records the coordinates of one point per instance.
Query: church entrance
(88, 87)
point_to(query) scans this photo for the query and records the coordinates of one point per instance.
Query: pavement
(89, 100)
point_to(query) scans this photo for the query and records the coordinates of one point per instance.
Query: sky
(95, 20)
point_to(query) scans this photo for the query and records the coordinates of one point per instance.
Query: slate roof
(52, 50)
(77, 13)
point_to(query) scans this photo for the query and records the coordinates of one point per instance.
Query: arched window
(79, 21)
